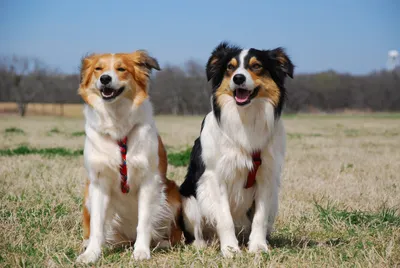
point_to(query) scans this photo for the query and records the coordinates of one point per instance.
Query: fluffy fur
(247, 100)
(115, 86)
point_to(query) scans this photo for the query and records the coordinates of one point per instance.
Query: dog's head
(247, 74)
(109, 77)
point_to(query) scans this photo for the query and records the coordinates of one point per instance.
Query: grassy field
(339, 201)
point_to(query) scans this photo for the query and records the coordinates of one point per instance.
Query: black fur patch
(195, 171)
(189, 238)
(216, 109)
(189, 187)
(215, 70)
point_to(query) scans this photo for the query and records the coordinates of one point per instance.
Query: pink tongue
(242, 95)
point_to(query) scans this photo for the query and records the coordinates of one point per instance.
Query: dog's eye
(256, 66)
(120, 69)
(230, 66)
(98, 68)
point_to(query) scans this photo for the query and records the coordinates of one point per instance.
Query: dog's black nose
(239, 79)
(105, 79)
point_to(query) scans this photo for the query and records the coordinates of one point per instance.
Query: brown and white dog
(127, 197)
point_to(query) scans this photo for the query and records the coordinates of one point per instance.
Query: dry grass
(341, 185)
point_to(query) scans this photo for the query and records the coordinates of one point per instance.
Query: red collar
(122, 167)
(251, 177)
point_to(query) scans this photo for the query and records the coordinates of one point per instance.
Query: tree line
(184, 90)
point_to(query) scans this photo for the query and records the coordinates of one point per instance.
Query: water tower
(393, 59)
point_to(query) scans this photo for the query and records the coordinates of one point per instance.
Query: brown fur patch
(214, 60)
(268, 88)
(233, 62)
(282, 58)
(176, 233)
(223, 90)
(175, 202)
(86, 214)
(254, 61)
(163, 160)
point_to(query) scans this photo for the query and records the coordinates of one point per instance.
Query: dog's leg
(86, 217)
(147, 196)
(225, 225)
(266, 201)
(99, 204)
(192, 220)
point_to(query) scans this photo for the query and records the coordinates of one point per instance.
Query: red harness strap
(122, 168)
(251, 177)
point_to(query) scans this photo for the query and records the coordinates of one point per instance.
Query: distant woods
(184, 90)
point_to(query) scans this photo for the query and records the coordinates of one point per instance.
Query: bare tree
(25, 79)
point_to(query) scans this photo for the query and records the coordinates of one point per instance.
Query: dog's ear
(86, 73)
(282, 64)
(142, 59)
(86, 69)
(217, 59)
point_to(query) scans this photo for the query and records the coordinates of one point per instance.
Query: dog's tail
(175, 203)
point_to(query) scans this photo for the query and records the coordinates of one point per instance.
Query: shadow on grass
(298, 243)
(278, 241)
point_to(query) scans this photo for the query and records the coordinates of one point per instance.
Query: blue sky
(345, 35)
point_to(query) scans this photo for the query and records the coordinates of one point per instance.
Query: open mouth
(242, 96)
(109, 93)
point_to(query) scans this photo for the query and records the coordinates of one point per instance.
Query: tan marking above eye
(255, 64)
(253, 60)
(232, 64)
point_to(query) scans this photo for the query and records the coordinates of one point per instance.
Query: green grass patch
(300, 135)
(14, 130)
(330, 215)
(352, 132)
(24, 150)
(180, 159)
(345, 167)
(54, 131)
(35, 221)
(78, 133)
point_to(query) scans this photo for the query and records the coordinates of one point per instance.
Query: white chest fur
(227, 149)
(105, 125)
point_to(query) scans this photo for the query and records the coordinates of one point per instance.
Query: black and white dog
(233, 179)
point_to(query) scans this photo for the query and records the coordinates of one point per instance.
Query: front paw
(141, 254)
(258, 246)
(228, 251)
(89, 256)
